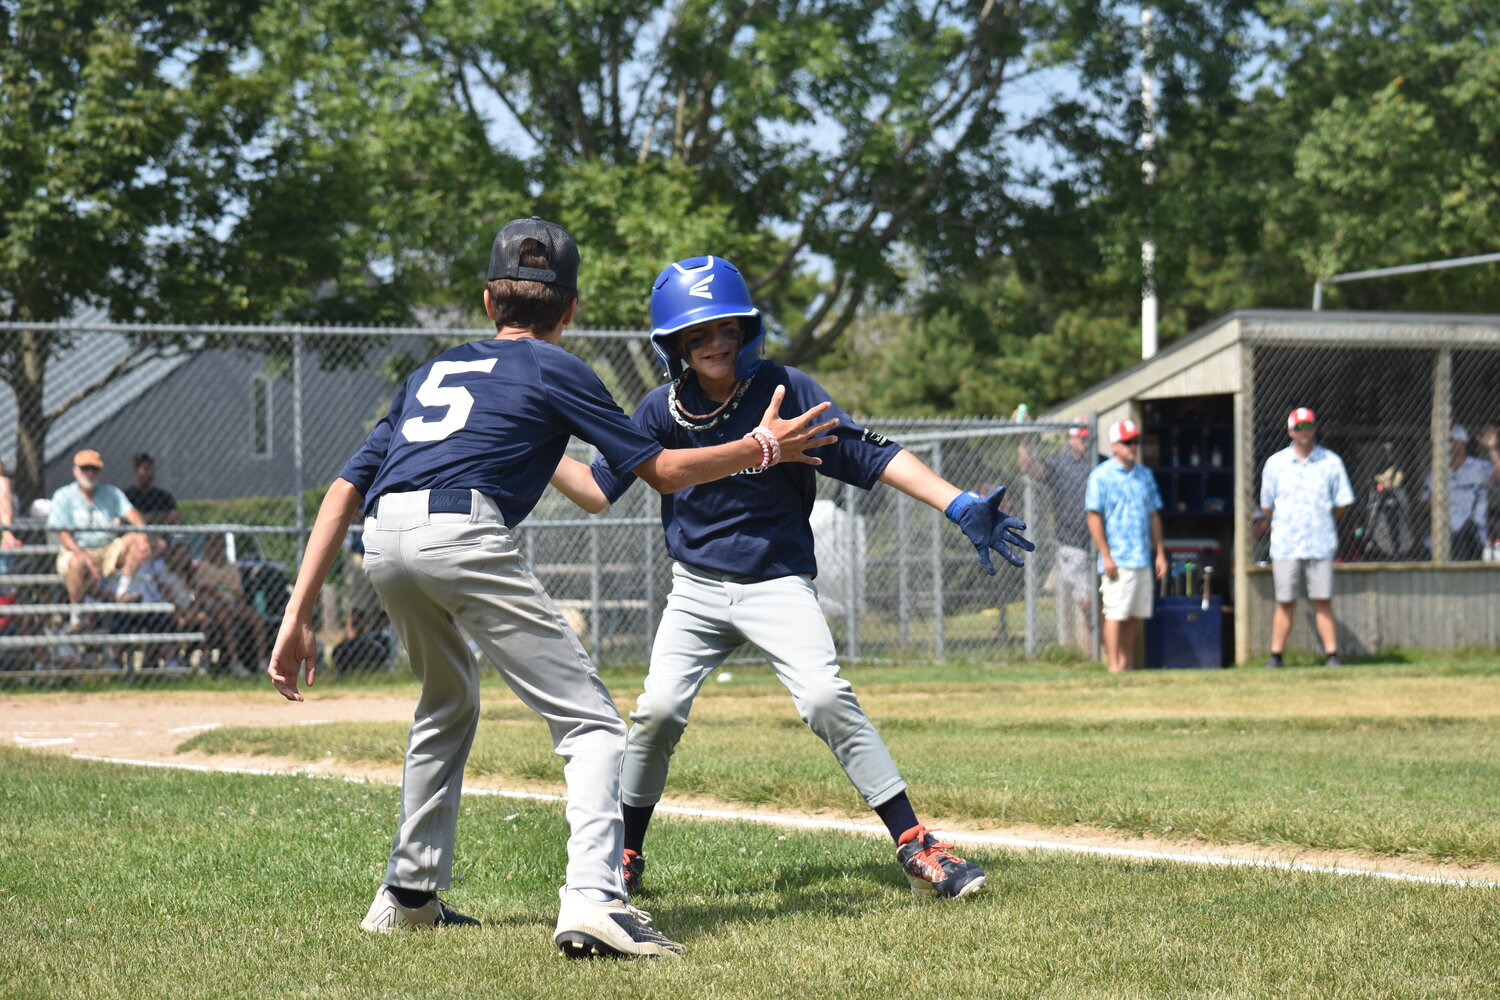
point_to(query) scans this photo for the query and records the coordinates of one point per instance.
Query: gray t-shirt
(1068, 480)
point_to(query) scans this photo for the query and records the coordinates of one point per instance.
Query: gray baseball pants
(708, 616)
(437, 571)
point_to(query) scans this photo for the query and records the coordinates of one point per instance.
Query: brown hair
(529, 305)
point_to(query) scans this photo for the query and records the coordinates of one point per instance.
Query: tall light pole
(1148, 180)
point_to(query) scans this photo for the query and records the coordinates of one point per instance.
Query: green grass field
(1401, 760)
(120, 881)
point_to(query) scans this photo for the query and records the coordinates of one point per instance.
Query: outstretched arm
(575, 481)
(1030, 467)
(979, 518)
(296, 646)
(909, 474)
(1489, 440)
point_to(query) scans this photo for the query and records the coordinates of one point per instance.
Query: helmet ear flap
(664, 345)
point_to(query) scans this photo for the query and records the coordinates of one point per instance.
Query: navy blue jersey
(494, 416)
(751, 523)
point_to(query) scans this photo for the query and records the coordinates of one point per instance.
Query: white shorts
(1076, 571)
(1127, 597)
(1289, 573)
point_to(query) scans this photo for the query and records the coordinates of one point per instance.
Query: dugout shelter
(1388, 390)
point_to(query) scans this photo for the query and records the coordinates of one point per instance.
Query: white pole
(1148, 178)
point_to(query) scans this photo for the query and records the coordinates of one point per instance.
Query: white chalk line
(869, 829)
(196, 728)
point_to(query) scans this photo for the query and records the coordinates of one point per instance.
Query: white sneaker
(388, 916)
(588, 929)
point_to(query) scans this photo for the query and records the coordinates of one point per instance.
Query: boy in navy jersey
(744, 557)
(467, 448)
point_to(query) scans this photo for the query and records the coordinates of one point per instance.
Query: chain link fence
(245, 426)
(1416, 429)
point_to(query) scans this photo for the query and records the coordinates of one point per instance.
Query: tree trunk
(32, 422)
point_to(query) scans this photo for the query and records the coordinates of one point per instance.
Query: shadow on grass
(812, 887)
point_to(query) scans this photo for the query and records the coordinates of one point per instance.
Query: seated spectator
(148, 586)
(368, 644)
(176, 579)
(7, 540)
(81, 513)
(8, 508)
(156, 505)
(222, 595)
(1468, 492)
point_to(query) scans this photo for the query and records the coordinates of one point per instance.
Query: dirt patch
(149, 726)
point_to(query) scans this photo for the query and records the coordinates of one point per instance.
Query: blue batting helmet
(698, 290)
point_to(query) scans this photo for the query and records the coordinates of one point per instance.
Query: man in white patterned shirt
(1304, 490)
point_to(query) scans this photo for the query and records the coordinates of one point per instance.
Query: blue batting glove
(983, 523)
(1006, 530)
(975, 517)
(1007, 533)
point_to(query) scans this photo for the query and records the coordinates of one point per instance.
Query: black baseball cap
(562, 254)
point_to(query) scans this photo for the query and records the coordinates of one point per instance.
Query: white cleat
(588, 929)
(387, 916)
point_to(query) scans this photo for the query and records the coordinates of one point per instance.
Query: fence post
(1095, 625)
(1029, 571)
(853, 565)
(596, 616)
(1442, 422)
(937, 563)
(903, 593)
(649, 535)
(298, 487)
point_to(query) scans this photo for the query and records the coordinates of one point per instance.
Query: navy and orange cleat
(632, 866)
(932, 868)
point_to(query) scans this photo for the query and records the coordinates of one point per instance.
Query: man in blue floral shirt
(1124, 507)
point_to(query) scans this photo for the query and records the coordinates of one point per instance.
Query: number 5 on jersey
(434, 394)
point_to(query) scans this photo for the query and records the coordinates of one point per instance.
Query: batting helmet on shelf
(698, 290)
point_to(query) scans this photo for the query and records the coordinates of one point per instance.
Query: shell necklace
(714, 418)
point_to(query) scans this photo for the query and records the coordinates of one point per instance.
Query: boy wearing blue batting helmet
(743, 551)
(461, 458)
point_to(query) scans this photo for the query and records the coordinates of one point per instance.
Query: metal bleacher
(36, 643)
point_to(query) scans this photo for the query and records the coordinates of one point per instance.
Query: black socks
(637, 818)
(897, 815)
(411, 898)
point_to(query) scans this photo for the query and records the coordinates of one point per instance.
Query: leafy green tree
(828, 147)
(1308, 139)
(158, 159)
(115, 138)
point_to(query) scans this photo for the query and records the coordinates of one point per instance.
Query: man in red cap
(1124, 516)
(1304, 490)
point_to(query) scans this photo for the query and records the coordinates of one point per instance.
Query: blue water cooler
(1181, 632)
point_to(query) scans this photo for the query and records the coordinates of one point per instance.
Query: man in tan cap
(82, 514)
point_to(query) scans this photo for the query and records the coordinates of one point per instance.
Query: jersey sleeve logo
(701, 289)
(876, 438)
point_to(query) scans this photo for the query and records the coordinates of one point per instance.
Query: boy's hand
(296, 647)
(795, 436)
(987, 527)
